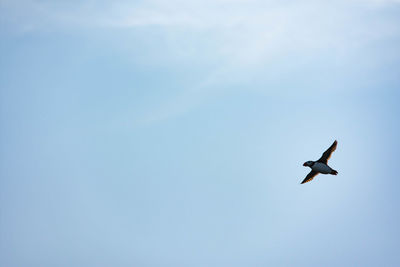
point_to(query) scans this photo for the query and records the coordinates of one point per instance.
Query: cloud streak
(260, 28)
(240, 37)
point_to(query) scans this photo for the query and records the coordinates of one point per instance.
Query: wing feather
(327, 154)
(309, 177)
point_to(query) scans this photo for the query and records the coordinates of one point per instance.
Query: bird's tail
(334, 172)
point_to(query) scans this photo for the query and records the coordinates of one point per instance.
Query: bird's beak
(305, 164)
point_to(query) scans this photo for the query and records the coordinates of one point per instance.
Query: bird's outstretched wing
(327, 154)
(310, 176)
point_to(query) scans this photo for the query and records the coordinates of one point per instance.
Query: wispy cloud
(244, 35)
(260, 28)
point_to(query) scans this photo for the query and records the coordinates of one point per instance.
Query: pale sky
(173, 133)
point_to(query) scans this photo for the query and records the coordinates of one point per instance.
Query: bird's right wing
(309, 177)
(327, 154)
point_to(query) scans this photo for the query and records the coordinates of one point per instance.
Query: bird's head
(308, 163)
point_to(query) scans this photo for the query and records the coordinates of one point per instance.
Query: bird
(321, 165)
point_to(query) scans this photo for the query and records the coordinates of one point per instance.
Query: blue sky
(173, 133)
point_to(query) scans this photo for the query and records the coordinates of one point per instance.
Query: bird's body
(321, 165)
(321, 168)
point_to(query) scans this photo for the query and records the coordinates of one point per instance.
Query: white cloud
(241, 35)
(261, 28)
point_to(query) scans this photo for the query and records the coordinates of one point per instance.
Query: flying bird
(321, 165)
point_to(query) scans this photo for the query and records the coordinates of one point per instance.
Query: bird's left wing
(309, 177)
(327, 154)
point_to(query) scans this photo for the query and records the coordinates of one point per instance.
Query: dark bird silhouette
(321, 165)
